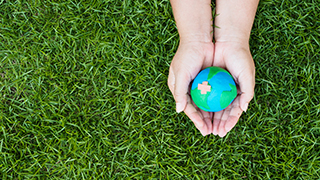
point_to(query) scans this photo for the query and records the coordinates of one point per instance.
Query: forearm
(234, 20)
(193, 19)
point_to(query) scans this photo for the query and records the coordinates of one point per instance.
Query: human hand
(237, 59)
(189, 60)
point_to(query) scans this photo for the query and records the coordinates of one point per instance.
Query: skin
(196, 51)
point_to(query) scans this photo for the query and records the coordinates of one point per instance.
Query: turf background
(83, 95)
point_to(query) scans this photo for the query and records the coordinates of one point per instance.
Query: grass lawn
(83, 95)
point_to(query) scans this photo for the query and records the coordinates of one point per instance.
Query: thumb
(182, 81)
(246, 83)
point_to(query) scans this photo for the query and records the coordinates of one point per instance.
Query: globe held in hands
(213, 89)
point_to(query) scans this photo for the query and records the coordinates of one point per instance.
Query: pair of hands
(190, 59)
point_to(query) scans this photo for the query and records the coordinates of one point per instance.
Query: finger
(182, 81)
(246, 83)
(216, 122)
(221, 130)
(171, 81)
(207, 117)
(230, 117)
(196, 117)
(234, 115)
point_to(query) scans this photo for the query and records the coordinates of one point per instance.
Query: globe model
(213, 89)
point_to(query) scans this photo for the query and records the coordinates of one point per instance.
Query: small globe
(213, 89)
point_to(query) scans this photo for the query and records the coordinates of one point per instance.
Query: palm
(188, 61)
(238, 61)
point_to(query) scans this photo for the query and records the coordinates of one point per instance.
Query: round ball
(213, 89)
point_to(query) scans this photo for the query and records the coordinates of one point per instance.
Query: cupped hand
(189, 60)
(236, 58)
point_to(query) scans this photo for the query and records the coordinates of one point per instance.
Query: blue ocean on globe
(220, 82)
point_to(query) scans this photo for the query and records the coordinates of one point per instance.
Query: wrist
(240, 40)
(230, 34)
(234, 45)
(196, 37)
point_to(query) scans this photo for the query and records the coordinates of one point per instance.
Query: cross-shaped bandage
(204, 87)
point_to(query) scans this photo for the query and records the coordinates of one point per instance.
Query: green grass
(83, 95)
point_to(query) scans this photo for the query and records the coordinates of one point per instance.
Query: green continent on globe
(228, 96)
(201, 100)
(215, 70)
(213, 89)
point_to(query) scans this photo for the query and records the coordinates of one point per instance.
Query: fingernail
(179, 107)
(245, 107)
